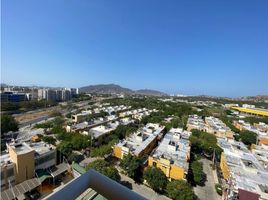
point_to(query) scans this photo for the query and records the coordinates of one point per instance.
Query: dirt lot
(25, 117)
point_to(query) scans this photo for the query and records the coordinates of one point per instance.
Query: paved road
(208, 191)
(143, 190)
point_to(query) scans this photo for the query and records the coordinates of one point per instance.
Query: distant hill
(117, 89)
(105, 89)
(256, 98)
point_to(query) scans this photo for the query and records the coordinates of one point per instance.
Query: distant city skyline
(180, 47)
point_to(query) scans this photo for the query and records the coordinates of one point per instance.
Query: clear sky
(212, 47)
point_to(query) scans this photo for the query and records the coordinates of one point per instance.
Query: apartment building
(173, 154)
(196, 122)
(260, 129)
(23, 159)
(141, 142)
(242, 169)
(54, 95)
(99, 133)
(14, 97)
(80, 117)
(217, 127)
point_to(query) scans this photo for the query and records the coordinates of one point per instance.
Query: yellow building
(218, 128)
(139, 143)
(172, 155)
(263, 141)
(252, 111)
(244, 169)
(224, 167)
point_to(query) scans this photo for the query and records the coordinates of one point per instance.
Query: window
(45, 159)
(10, 172)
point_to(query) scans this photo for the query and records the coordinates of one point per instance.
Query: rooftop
(247, 172)
(174, 148)
(26, 147)
(139, 140)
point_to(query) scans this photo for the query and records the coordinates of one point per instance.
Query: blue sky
(188, 47)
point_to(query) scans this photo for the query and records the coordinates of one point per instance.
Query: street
(208, 191)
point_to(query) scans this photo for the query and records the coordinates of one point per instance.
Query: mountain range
(117, 89)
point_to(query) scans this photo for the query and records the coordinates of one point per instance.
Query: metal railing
(105, 186)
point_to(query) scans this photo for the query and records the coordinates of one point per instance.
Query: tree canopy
(248, 137)
(156, 179)
(131, 166)
(104, 168)
(103, 149)
(8, 123)
(202, 142)
(198, 174)
(179, 190)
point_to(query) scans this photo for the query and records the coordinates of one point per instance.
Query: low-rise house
(196, 122)
(139, 143)
(242, 169)
(259, 129)
(217, 127)
(80, 117)
(77, 127)
(99, 133)
(173, 154)
(126, 121)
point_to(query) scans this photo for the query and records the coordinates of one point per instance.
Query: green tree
(8, 123)
(3, 146)
(68, 115)
(131, 166)
(179, 190)
(73, 157)
(248, 137)
(80, 141)
(203, 142)
(49, 140)
(103, 149)
(156, 179)
(112, 173)
(65, 148)
(104, 168)
(198, 173)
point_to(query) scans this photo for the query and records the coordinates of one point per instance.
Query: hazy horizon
(187, 47)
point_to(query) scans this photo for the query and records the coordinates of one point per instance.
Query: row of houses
(244, 169)
(261, 129)
(111, 110)
(169, 152)
(211, 125)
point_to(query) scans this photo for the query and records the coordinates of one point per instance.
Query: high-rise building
(59, 95)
